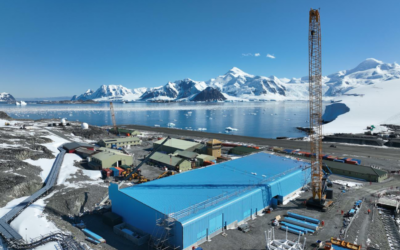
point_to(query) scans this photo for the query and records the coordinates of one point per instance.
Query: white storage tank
(85, 125)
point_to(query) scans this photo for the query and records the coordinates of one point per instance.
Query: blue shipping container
(115, 171)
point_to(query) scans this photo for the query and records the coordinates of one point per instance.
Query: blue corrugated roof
(178, 192)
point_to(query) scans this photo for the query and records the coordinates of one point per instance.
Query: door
(215, 224)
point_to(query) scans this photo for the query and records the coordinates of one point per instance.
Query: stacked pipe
(296, 223)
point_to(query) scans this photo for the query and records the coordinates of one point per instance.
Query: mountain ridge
(237, 85)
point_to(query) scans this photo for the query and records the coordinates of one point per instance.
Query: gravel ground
(69, 205)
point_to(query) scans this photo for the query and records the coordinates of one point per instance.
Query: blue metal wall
(140, 215)
(239, 209)
(196, 229)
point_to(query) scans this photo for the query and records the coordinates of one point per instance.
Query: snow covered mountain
(110, 92)
(85, 96)
(368, 72)
(6, 97)
(181, 89)
(240, 84)
(237, 85)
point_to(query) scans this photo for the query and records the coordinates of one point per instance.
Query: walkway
(13, 238)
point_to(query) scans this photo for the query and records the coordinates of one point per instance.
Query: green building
(173, 145)
(109, 158)
(357, 171)
(171, 162)
(120, 142)
(188, 155)
(242, 150)
(124, 131)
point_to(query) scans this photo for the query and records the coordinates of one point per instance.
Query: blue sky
(59, 48)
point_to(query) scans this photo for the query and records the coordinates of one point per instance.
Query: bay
(257, 119)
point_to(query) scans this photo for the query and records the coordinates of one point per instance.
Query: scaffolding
(274, 244)
(160, 239)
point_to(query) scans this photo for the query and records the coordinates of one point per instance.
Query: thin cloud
(247, 54)
(270, 56)
(257, 54)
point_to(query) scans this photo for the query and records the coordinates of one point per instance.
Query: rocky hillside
(209, 95)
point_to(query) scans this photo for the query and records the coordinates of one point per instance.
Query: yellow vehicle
(165, 174)
(142, 179)
(345, 244)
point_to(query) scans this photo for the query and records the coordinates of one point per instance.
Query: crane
(318, 183)
(113, 117)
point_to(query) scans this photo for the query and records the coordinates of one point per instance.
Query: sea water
(257, 119)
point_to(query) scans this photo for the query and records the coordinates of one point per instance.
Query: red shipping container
(207, 163)
(331, 158)
(120, 170)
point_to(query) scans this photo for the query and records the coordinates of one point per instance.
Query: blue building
(187, 209)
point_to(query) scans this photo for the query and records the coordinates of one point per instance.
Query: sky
(60, 48)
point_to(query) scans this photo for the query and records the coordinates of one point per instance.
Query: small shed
(201, 158)
(84, 152)
(72, 146)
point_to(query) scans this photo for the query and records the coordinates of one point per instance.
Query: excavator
(135, 172)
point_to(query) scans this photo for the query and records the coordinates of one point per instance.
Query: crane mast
(113, 117)
(315, 88)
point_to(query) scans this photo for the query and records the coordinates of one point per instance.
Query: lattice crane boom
(113, 117)
(315, 88)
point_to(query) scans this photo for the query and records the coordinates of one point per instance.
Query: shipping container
(353, 162)
(331, 158)
(338, 160)
(120, 170)
(208, 163)
(115, 171)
